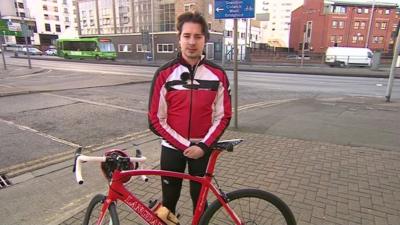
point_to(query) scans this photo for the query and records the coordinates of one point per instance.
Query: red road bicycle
(241, 207)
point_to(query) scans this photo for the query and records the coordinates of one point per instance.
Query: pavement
(323, 183)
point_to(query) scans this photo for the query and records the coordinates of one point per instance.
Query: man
(189, 107)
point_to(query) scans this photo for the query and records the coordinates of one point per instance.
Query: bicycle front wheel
(253, 207)
(93, 212)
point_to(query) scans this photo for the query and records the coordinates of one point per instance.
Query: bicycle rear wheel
(253, 207)
(93, 212)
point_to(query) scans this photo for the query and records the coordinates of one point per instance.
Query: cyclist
(189, 107)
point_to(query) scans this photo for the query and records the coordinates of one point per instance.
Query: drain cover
(4, 182)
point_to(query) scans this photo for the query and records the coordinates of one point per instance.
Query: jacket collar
(185, 63)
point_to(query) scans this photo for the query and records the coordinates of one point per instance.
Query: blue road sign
(234, 9)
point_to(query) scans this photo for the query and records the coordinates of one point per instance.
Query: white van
(345, 56)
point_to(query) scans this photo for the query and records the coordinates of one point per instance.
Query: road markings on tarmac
(25, 128)
(98, 103)
(265, 104)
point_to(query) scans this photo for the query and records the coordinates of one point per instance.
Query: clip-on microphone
(185, 76)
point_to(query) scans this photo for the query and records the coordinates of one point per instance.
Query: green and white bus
(86, 48)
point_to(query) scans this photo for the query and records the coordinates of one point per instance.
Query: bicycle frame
(117, 191)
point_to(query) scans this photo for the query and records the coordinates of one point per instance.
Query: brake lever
(78, 152)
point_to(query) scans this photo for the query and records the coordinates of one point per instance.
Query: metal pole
(235, 72)
(245, 42)
(2, 54)
(223, 49)
(302, 48)
(393, 67)
(370, 23)
(152, 31)
(26, 43)
(78, 17)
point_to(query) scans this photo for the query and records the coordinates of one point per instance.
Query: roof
(362, 3)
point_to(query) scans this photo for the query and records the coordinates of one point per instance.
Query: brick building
(136, 25)
(322, 24)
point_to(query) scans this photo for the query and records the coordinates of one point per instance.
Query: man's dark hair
(193, 17)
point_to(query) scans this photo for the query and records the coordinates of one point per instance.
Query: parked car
(32, 51)
(51, 51)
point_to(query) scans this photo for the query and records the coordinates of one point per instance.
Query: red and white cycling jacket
(189, 105)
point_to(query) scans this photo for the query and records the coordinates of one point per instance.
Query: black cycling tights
(174, 160)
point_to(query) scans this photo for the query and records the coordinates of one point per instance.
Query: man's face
(191, 41)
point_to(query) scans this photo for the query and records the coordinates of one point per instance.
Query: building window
(67, 19)
(394, 27)
(387, 11)
(354, 39)
(21, 14)
(228, 33)
(337, 9)
(141, 48)
(362, 25)
(45, 7)
(341, 24)
(47, 27)
(58, 28)
(366, 10)
(383, 25)
(124, 20)
(359, 10)
(190, 7)
(242, 35)
(57, 18)
(167, 17)
(356, 25)
(55, 9)
(65, 10)
(377, 39)
(334, 24)
(46, 16)
(380, 11)
(336, 38)
(165, 48)
(357, 38)
(125, 48)
(20, 5)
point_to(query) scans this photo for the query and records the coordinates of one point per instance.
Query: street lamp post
(4, 37)
(25, 33)
(370, 23)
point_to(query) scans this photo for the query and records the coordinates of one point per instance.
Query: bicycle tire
(253, 207)
(93, 211)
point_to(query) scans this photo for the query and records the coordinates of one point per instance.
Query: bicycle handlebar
(84, 158)
(79, 158)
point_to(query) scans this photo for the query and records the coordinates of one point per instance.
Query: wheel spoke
(253, 207)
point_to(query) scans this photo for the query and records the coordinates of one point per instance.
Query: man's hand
(193, 152)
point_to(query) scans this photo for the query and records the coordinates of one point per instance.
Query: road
(82, 104)
(75, 104)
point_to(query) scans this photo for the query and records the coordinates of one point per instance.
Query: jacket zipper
(190, 105)
(192, 71)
